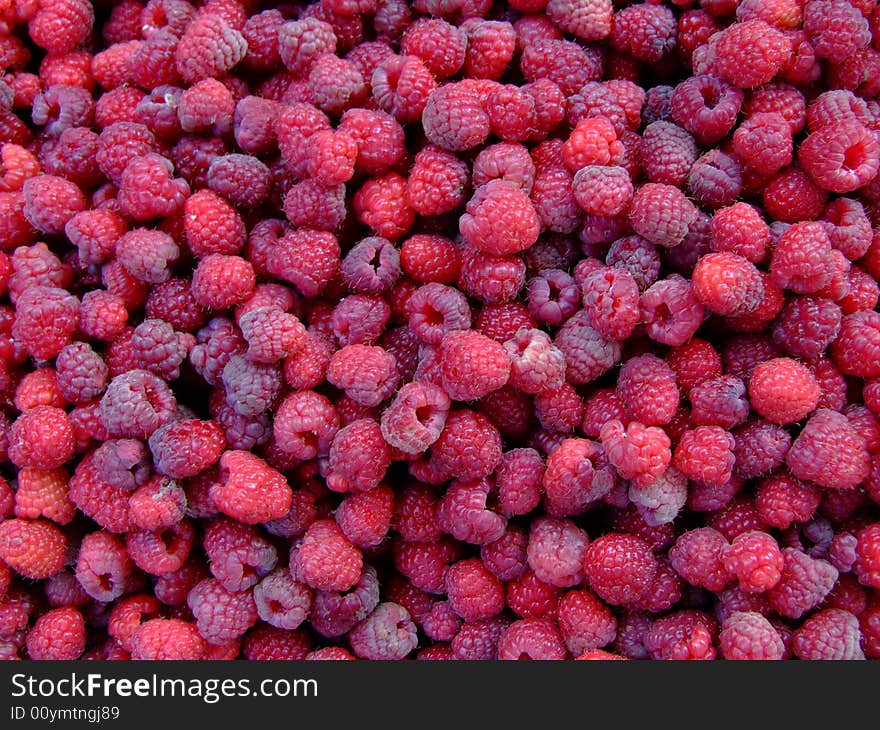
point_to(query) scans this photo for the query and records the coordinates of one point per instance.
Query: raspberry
(365, 518)
(379, 136)
(727, 284)
(829, 452)
(751, 53)
(867, 564)
(493, 203)
(157, 504)
(281, 601)
(59, 634)
(41, 437)
(587, 354)
(103, 565)
(763, 141)
(473, 592)
(135, 404)
(440, 45)
(666, 153)
(325, 559)
(836, 29)
(576, 474)
(854, 351)
(619, 567)
(453, 118)
(472, 365)
(804, 584)
(556, 551)
(686, 634)
(209, 47)
(387, 633)
(754, 558)
(706, 106)
(646, 386)
(840, 158)
(531, 638)
(661, 214)
(783, 391)
(43, 493)
(50, 202)
(831, 634)
(468, 447)
(61, 26)
(644, 31)
(167, 639)
(359, 457)
(437, 181)
(221, 615)
(34, 549)
(301, 42)
(184, 448)
(747, 635)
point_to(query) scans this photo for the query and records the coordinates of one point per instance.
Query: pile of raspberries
(443, 329)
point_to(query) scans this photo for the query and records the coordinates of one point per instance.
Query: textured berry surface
(367, 329)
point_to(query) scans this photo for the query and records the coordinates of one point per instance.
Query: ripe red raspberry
(646, 386)
(221, 281)
(588, 355)
(840, 157)
(380, 138)
(706, 106)
(755, 560)
(500, 219)
(439, 44)
(727, 283)
(620, 568)
(831, 634)
(61, 25)
(490, 48)
(242, 179)
(592, 142)
(367, 374)
(856, 348)
(556, 550)
(749, 636)
(41, 437)
(167, 639)
(706, 454)
(381, 204)
(425, 258)
(610, 297)
(469, 446)
(184, 448)
(661, 214)
(741, 230)
(437, 182)
(531, 638)
(50, 202)
(836, 29)
(359, 457)
(454, 119)
(807, 325)
(147, 255)
(751, 53)
(463, 514)
(536, 364)
(666, 153)
(365, 517)
(867, 564)
(639, 453)
(416, 417)
(644, 31)
(585, 622)
(207, 105)
(804, 584)
(325, 559)
(59, 634)
(472, 365)
(783, 391)
(281, 601)
(760, 447)
(148, 191)
(387, 633)
(43, 493)
(590, 21)
(829, 452)
(577, 473)
(209, 47)
(221, 615)
(238, 555)
(103, 565)
(763, 141)
(301, 42)
(473, 592)
(402, 85)
(698, 557)
(34, 549)
(249, 490)
(157, 504)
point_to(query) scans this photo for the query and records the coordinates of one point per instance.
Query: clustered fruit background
(451, 329)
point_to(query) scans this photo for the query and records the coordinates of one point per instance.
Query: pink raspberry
(644, 31)
(639, 453)
(590, 21)
(783, 391)
(670, 311)
(619, 567)
(764, 142)
(41, 437)
(387, 633)
(439, 44)
(437, 182)
(454, 119)
(325, 559)
(50, 202)
(207, 105)
(751, 53)
(867, 563)
(698, 557)
(148, 191)
(706, 454)
(831, 634)
(531, 638)
(804, 583)
(416, 417)
(660, 502)
(34, 549)
(209, 47)
(836, 29)
(301, 42)
(577, 473)
(359, 457)
(472, 365)
(755, 559)
(221, 281)
(706, 106)
(402, 85)
(556, 550)
(372, 266)
(103, 565)
(496, 201)
(212, 225)
(610, 297)
(588, 355)
(727, 283)
(463, 514)
(747, 635)
(184, 448)
(220, 614)
(829, 452)
(842, 157)
(365, 517)
(469, 447)
(167, 639)
(761, 446)
(249, 490)
(536, 364)
(661, 214)
(473, 592)
(646, 385)
(856, 347)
